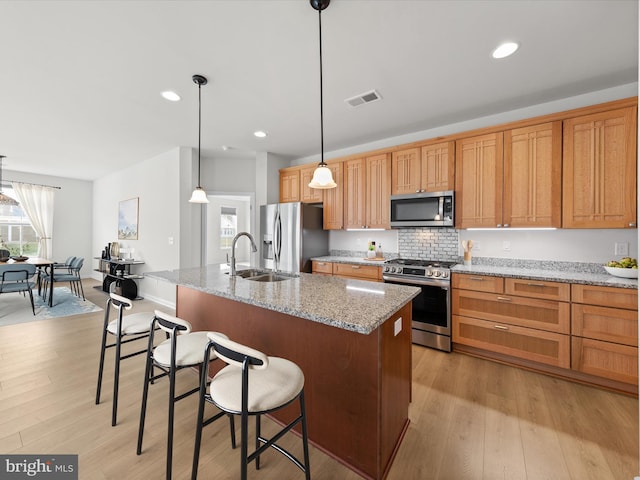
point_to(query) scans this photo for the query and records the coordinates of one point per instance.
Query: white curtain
(37, 202)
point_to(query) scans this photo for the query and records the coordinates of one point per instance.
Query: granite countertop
(560, 275)
(354, 305)
(351, 260)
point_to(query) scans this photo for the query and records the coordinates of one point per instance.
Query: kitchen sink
(272, 277)
(251, 272)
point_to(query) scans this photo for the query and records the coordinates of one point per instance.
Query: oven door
(431, 310)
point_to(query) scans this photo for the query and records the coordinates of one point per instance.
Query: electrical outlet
(506, 245)
(476, 246)
(621, 248)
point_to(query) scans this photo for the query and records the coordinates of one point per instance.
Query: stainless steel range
(431, 322)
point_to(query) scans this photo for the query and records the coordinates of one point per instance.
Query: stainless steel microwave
(426, 209)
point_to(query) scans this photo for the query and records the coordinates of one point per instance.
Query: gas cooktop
(420, 263)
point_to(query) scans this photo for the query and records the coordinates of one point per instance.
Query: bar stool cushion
(189, 349)
(276, 385)
(132, 324)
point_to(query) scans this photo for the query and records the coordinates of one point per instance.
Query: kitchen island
(351, 338)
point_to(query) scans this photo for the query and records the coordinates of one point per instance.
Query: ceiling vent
(363, 98)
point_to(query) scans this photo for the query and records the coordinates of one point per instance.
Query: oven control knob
(398, 269)
(385, 270)
(436, 273)
(444, 274)
(428, 273)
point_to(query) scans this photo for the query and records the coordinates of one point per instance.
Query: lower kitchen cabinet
(586, 333)
(526, 343)
(321, 268)
(604, 327)
(347, 270)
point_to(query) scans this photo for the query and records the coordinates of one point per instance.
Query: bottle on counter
(379, 251)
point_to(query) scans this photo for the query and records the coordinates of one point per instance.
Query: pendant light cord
(321, 102)
(199, 127)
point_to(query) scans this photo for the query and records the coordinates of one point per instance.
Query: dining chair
(252, 384)
(17, 277)
(73, 277)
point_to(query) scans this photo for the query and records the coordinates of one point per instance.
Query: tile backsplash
(429, 243)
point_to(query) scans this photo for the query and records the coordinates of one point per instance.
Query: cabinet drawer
(604, 359)
(602, 323)
(527, 312)
(529, 344)
(538, 289)
(479, 283)
(321, 267)
(366, 272)
(605, 296)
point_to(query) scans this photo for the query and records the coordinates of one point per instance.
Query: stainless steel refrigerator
(291, 234)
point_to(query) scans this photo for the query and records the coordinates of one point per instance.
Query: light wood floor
(470, 418)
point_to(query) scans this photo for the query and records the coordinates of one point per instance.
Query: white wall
(72, 218)
(161, 199)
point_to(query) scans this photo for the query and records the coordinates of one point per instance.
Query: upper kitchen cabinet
(479, 181)
(308, 194)
(599, 170)
(290, 184)
(533, 176)
(429, 168)
(367, 188)
(333, 200)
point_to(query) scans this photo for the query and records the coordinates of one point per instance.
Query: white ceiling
(80, 81)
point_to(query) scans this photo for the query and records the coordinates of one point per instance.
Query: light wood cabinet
(533, 176)
(437, 167)
(478, 173)
(514, 317)
(604, 325)
(360, 272)
(587, 333)
(308, 194)
(321, 268)
(347, 270)
(510, 179)
(367, 188)
(599, 170)
(289, 185)
(333, 200)
(429, 168)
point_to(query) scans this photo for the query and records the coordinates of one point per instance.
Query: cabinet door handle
(504, 299)
(322, 264)
(632, 224)
(533, 284)
(477, 279)
(500, 327)
(499, 225)
(506, 225)
(355, 266)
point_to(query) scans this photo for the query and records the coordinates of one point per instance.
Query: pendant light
(4, 199)
(199, 195)
(322, 178)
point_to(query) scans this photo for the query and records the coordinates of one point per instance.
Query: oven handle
(417, 281)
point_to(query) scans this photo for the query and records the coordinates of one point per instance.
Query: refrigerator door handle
(277, 240)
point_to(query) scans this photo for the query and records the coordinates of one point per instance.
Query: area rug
(15, 308)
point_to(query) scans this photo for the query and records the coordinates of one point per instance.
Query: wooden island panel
(357, 387)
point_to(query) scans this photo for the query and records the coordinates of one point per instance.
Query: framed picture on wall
(128, 219)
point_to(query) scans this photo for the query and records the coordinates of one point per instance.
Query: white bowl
(622, 272)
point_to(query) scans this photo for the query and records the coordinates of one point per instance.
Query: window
(228, 226)
(16, 233)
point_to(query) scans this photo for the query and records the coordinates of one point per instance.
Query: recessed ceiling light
(171, 96)
(260, 134)
(504, 50)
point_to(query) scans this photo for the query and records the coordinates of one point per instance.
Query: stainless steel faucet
(233, 249)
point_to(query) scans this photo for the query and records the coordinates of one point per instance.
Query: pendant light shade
(322, 177)
(4, 199)
(199, 195)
